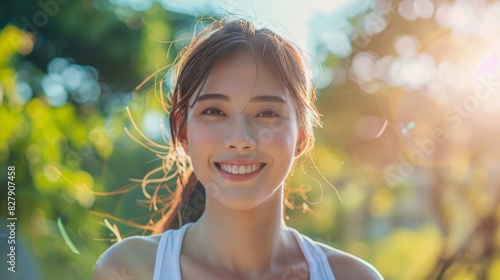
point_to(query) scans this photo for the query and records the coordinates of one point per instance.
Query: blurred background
(410, 96)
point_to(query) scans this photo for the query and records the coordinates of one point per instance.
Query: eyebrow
(259, 98)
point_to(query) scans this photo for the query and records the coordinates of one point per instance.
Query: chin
(242, 201)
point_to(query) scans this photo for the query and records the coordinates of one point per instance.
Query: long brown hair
(191, 69)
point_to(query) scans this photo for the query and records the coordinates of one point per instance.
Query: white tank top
(167, 265)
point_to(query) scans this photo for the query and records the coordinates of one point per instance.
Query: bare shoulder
(347, 266)
(132, 258)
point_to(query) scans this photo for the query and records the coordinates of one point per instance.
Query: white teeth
(240, 169)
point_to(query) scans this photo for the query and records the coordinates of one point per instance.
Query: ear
(301, 144)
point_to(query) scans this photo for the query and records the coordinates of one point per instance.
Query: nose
(240, 135)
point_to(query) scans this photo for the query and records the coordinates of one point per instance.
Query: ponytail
(188, 204)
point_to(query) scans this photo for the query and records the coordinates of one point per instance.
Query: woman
(243, 111)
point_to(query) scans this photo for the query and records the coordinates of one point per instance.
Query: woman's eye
(269, 114)
(213, 112)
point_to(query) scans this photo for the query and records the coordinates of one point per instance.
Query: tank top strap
(318, 263)
(167, 264)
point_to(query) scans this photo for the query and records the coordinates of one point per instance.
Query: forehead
(242, 73)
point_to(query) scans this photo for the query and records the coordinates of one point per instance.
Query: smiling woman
(242, 112)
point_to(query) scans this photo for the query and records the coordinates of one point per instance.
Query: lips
(226, 170)
(239, 169)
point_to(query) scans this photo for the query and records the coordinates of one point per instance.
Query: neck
(245, 243)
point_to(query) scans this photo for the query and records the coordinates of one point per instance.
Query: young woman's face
(242, 133)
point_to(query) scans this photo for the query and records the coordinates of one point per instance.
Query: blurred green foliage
(69, 150)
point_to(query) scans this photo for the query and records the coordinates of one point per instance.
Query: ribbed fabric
(167, 265)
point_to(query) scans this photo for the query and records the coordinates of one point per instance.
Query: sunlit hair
(190, 72)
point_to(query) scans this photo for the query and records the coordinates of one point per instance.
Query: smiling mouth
(240, 169)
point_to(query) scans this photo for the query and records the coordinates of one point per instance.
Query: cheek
(203, 140)
(281, 145)
(277, 140)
